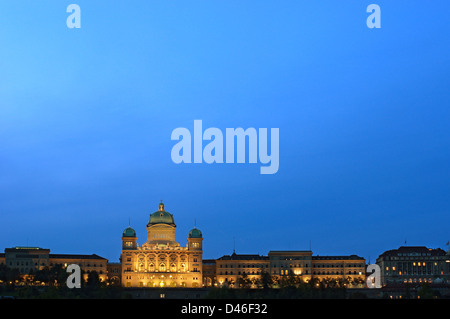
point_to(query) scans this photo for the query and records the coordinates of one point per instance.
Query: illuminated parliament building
(161, 261)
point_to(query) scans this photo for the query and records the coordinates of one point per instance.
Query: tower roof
(195, 233)
(129, 232)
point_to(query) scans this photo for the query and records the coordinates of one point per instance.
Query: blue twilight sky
(86, 117)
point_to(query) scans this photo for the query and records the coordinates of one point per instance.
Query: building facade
(348, 270)
(114, 273)
(231, 268)
(26, 259)
(161, 261)
(87, 263)
(296, 262)
(414, 264)
(351, 269)
(31, 259)
(209, 272)
(301, 264)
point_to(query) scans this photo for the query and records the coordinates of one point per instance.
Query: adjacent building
(288, 262)
(301, 264)
(114, 271)
(31, 259)
(414, 264)
(348, 268)
(230, 268)
(26, 259)
(209, 273)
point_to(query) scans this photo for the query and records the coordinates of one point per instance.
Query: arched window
(162, 267)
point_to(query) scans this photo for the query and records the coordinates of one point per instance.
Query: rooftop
(243, 257)
(414, 250)
(351, 257)
(71, 256)
(23, 248)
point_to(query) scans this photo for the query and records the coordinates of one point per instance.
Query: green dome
(195, 233)
(129, 232)
(161, 217)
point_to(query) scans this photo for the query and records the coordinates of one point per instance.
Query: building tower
(195, 240)
(129, 239)
(194, 245)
